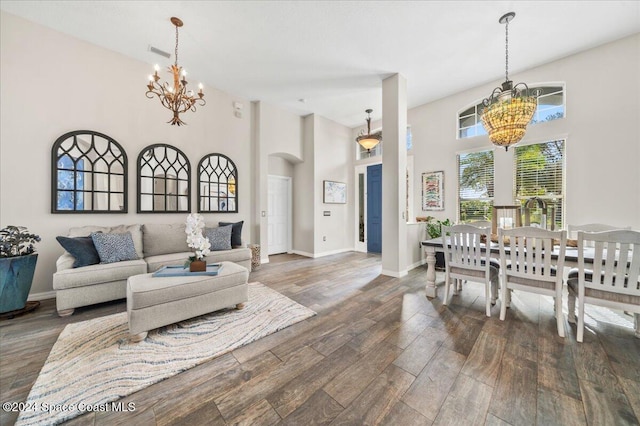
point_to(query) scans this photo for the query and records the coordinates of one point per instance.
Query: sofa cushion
(114, 247)
(82, 249)
(98, 274)
(236, 232)
(219, 238)
(135, 230)
(164, 238)
(233, 255)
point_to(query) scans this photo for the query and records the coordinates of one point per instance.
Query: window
(217, 184)
(89, 174)
(164, 174)
(475, 186)
(539, 172)
(550, 107)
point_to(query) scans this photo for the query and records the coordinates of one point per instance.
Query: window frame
(488, 199)
(217, 171)
(58, 152)
(519, 200)
(185, 165)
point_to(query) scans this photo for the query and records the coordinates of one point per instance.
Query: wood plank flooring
(378, 352)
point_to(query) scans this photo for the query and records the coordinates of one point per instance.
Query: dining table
(435, 245)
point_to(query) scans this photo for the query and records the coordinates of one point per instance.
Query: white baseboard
(322, 254)
(395, 274)
(42, 296)
(416, 264)
(263, 261)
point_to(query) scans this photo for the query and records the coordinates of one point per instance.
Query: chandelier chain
(176, 54)
(506, 50)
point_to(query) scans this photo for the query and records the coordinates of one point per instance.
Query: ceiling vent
(159, 52)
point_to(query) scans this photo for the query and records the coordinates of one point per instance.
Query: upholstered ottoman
(154, 302)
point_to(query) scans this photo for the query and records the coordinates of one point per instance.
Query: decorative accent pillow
(236, 232)
(82, 249)
(114, 247)
(220, 238)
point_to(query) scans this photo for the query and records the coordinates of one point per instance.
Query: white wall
(303, 194)
(280, 167)
(601, 128)
(277, 133)
(53, 83)
(333, 158)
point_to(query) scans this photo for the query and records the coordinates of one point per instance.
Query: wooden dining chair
(526, 263)
(612, 281)
(592, 227)
(465, 260)
(481, 224)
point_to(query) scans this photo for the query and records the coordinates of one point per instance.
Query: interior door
(374, 208)
(279, 222)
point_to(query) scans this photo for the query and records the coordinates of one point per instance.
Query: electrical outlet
(324, 238)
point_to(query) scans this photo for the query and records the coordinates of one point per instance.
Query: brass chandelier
(175, 97)
(368, 140)
(510, 108)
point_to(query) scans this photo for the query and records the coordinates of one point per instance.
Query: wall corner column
(394, 166)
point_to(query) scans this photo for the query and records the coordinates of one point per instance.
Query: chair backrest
(592, 227)
(530, 251)
(463, 246)
(481, 224)
(616, 260)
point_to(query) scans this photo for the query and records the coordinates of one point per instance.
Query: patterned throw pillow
(220, 238)
(82, 249)
(114, 247)
(236, 232)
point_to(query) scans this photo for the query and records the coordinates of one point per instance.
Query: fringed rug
(93, 363)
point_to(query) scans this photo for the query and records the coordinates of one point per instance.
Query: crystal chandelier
(368, 141)
(510, 108)
(175, 97)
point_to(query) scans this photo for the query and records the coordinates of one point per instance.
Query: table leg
(431, 289)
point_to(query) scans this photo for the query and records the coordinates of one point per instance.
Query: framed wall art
(334, 192)
(433, 191)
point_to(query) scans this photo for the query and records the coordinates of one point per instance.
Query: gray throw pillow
(82, 249)
(220, 237)
(236, 232)
(114, 247)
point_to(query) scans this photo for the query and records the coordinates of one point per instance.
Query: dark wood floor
(378, 352)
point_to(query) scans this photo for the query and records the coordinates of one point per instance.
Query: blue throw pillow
(114, 247)
(236, 232)
(82, 249)
(220, 238)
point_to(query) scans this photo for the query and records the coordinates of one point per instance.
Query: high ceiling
(334, 54)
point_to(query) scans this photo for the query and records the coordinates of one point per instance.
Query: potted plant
(434, 229)
(195, 240)
(17, 265)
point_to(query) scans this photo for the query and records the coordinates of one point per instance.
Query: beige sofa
(156, 245)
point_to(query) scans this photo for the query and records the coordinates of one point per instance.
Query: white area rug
(93, 363)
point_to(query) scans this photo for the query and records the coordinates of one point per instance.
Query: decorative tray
(181, 271)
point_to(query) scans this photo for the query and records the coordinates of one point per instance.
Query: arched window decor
(164, 176)
(217, 184)
(88, 174)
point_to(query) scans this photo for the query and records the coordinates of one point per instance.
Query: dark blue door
(374, 208)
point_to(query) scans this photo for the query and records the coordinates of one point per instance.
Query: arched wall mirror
(164, 177)
(88, 174)
(217, 184)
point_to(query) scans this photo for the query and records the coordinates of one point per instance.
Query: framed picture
(433, 191)
(334, 192)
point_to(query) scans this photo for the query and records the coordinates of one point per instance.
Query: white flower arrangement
(195, 239)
